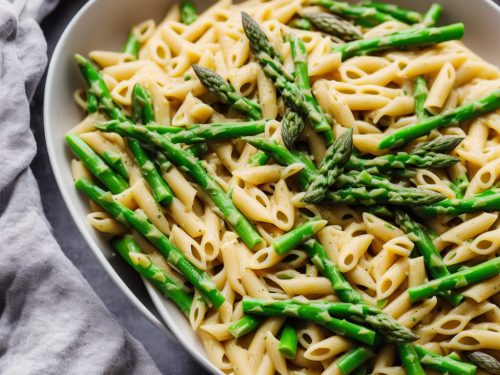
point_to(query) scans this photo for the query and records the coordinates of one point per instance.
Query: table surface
(166, 351)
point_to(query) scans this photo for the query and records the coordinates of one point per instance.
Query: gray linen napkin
(51, 322)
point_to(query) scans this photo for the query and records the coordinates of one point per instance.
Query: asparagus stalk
(367, 17)
(405, 15)
(333, 25)
(382, 322)
(245, 325)
(409, 358)
(218, 132)
(172, 254)
(160, 189)
(488, 200)
(406, 196)
(92, 104)
(453, 117)
(293, 94)
(371, 196)
(142, 263)
(432, 16)
(484, 361)
(226, 93)
(161, 161)
(188, 13)
(142, 107)
(132, 46)
(292, 125)
(197, 172)
(288, 341)
(456, 280)
(402, 161)
(113, 181)
(420, 94)
(353, 359)
(425, 246)
(283, 157)
(445, 143)
(309, 312)
(406, 38)
(444, 365)
(301, 23)
(297, 236)
(330, 168)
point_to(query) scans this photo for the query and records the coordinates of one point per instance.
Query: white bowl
(104, 24)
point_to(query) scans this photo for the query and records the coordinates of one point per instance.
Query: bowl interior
(104, 24)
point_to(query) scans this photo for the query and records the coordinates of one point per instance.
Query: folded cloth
(51, 322)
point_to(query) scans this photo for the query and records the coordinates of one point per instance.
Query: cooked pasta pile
(349, 226)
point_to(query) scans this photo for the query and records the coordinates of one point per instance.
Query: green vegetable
(188, 13)
(367, 17)
(160, 189)
(453, 117)
(142, 107)
(92, 104)
(406, 38)
(288, 341)
(226, 93)
(432, 16)
(330, 168)
(142, 263)
(245, 325)
(113, 181)
(443, 364)
(297, 236)
(456, 280)
(488, 200)
(420, 94)
(172, 254)
(445, 143)
(405, 15)
(409, 358)
(132, 46)
(292, 125)
(309, 312)
(353, 359)
(484, 361)
(301, 23)
(333, 25)
(188, 163)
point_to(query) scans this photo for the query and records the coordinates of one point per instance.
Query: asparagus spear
(161, 161)
(445, 143)
(113, 181)
(420, 94)
(296, 236)
(456, 280)
(244, 326)
(142, 108)
(353, 359)
(409, 358)
(406, 196)
(292, 125)
(160, 189)
(218, 132)
(444, 365)
(403, 160)
(188, 13)
(484, 361)
(291, 92)
(142, 263)
(92, 104)
(172, 254)
(382, 322)
(488, 200)
(367, 17)
(311, 313)
(283, 157)
(330, 168)
(226, 93)
(333, 25)
(432, 16)
(425, 246)
(132, 46)
(288, 341)
(405, 15)
(406, 38)
(453, 117)
(301, 23)
(197, 172)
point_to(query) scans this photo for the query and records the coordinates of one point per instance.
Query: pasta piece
(105, 223)
(352, 251)
(440, 89)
